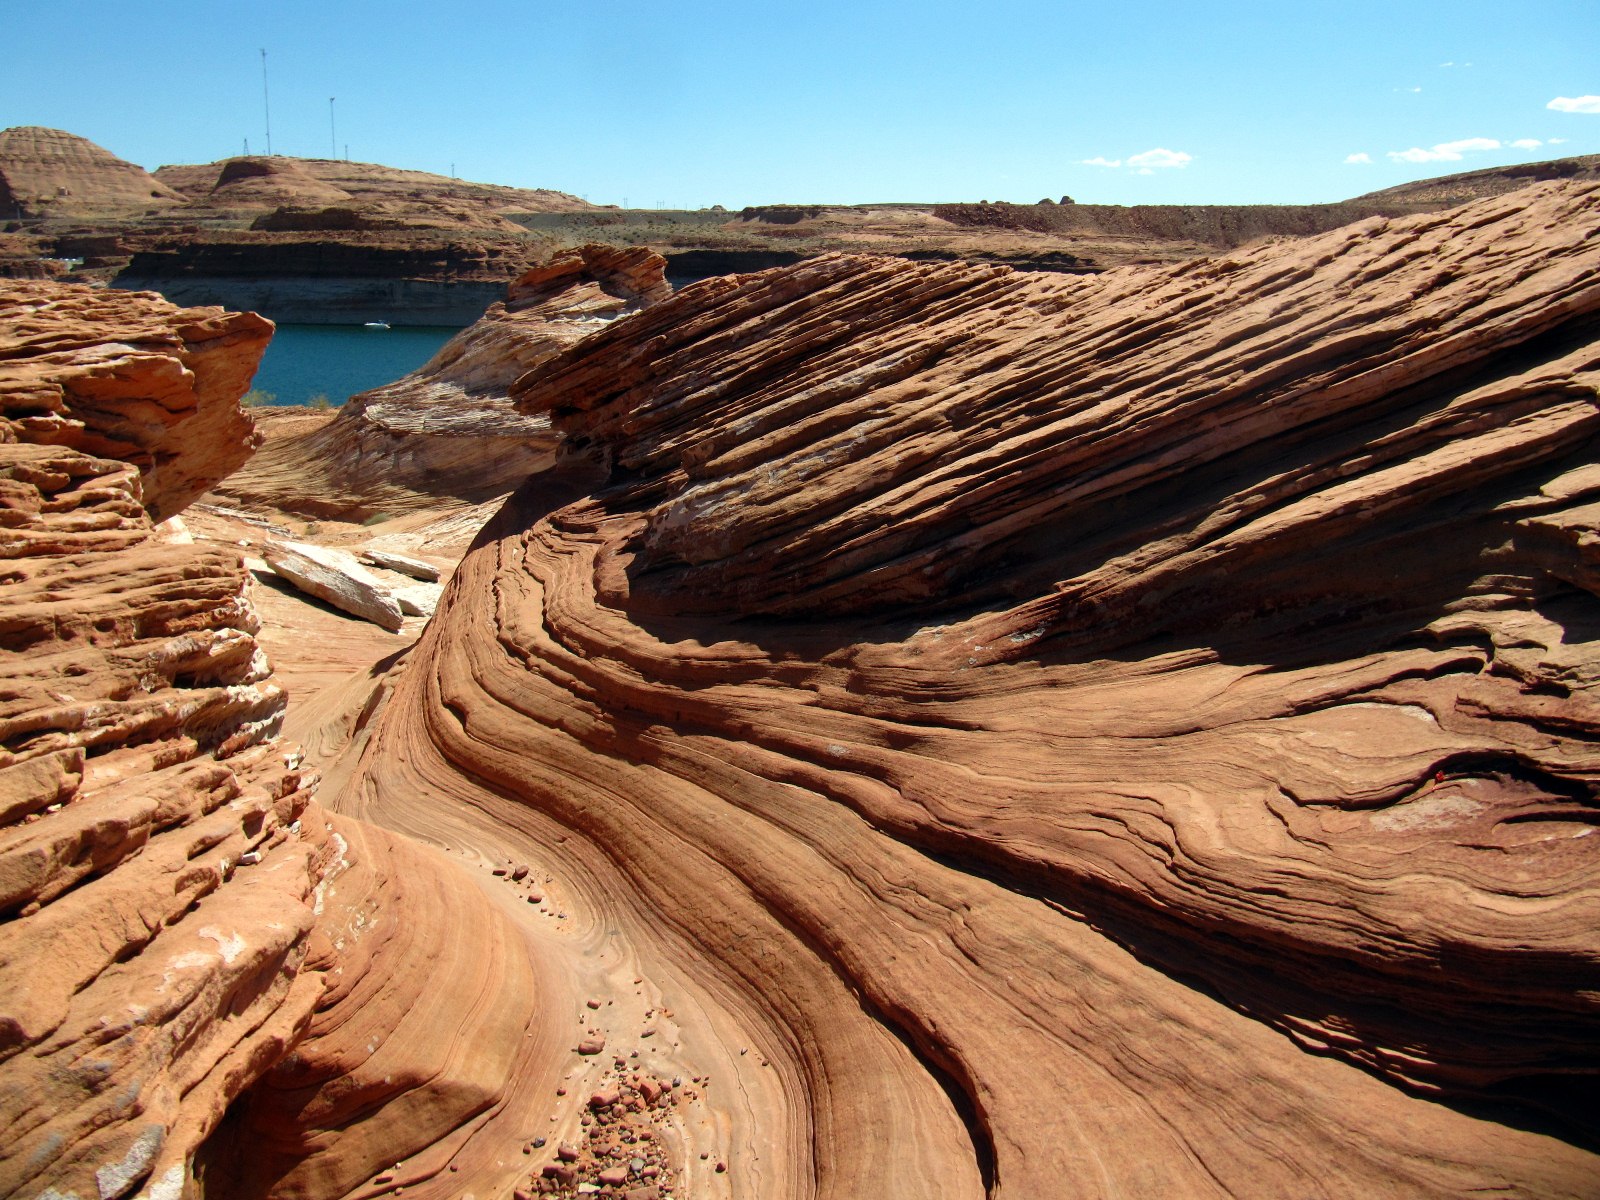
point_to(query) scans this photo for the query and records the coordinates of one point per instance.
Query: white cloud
(1448, 64)
(1575, 104)
(1412, 90)
(1159, 158)
(1098, 161)
(1557, 141)
(1363, 157)
(1444, 151)
(1527, 143)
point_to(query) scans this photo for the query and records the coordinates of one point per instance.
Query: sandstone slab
(403, 563)
(335, 576)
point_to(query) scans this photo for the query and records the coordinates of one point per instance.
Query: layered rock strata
(402, 276)
(179, 921)
(1129, 735)
(448, 431)
(132, 378)
(262, 182)
(48, 172)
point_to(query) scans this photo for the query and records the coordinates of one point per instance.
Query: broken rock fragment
(335, 576)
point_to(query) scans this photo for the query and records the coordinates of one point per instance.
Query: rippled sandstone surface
(1051, 736)
(939, 731)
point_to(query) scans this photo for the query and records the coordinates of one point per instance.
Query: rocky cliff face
(1129, 735)
(448, 431)
(419, 277)
(50, 173)
(202, 975)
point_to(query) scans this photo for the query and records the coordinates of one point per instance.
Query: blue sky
(691, 104)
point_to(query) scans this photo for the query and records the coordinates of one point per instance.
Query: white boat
(376, 325)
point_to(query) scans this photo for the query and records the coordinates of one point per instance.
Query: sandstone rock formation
(1129, 735)
(47, 172)
(403, 563)
(203, 979)
(448, 431)
(258, 184)
(159, 391)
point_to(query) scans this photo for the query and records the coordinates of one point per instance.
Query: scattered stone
(519, 873)
(592, 1045)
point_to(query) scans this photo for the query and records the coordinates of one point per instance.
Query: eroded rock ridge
(1129, 735)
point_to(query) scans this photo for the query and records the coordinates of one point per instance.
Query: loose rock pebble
(619, 1144)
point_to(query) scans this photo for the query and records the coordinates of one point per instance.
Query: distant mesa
(48, 172)
(1492, 181)
(262, 183)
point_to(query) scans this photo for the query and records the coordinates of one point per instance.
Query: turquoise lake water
(337, 361)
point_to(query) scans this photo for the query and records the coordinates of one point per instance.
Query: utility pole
(266, 102)
(333, 134)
